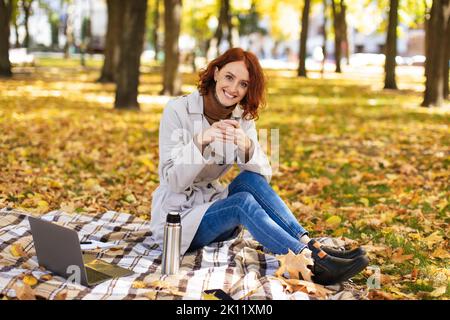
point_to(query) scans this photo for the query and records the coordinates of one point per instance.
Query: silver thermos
(172, 244)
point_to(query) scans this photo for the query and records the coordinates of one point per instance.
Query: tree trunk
(131, 41)
(324, 46)
(301, 72)
(436, 27)
(68, 31)
(224, 26)
(172, 23)
(112, 47)
(446, 58)
(155, 29)
(391, 47)
(5, 16)
(345, 31)
(229, 25)
(26, 6)
(337, 35)
(16, 30)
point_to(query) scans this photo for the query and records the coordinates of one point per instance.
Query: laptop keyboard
(94, 276)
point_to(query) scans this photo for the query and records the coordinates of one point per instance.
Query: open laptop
(58, 250)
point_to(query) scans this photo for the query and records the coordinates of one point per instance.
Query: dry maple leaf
(380, 295)
(399, 257)
(295, 265)
(310, 288)
(24, 292)
(62, 295)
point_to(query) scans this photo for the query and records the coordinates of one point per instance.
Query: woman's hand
(217, 131)
(238, 136)
(226, 131)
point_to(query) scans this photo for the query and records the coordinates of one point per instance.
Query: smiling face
(231, 82)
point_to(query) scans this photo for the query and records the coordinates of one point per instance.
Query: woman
(201, 136)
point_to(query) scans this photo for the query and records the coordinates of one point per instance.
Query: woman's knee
(246, 204)
(247, 177)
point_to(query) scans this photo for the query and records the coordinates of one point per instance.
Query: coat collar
(195, 105)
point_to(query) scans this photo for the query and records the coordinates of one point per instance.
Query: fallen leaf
(24, 292)
(333, 221)
(138, 284)
(398, 256)
(380, 295)
(46, 277)
(17, 250)
(209, 296)
(295, 265)
(151, 295)
(439, 291)
(30, 280)
(432, 239)
(62, 295)
(441, 253)
(308, 287)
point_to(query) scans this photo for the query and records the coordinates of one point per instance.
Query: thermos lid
(173, 217)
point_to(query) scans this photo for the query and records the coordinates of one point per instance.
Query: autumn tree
(131, 43)
(391, 46)
(172, 22)
(112, 44)
(5, 16)
(155, 17)
(324, 45)
(301, 72)
(437, 54)
(340, 30)
(224, 26)
(26, 8)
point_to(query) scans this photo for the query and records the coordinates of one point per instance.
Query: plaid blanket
(239, 266)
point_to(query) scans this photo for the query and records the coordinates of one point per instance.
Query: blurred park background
(357, 88)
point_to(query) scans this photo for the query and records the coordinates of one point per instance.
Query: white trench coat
(189, 179)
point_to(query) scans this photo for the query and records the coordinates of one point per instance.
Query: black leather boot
(315, 245)
(328, 270)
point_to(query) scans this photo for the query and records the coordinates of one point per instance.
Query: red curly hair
(255, 97)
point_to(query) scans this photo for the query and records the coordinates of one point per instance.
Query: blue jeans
(251, 203)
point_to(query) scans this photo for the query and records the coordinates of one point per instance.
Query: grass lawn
(355, 161)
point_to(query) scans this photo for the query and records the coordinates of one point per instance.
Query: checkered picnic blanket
(239, 266)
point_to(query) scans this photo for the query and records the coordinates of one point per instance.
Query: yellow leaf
(209, 296)
(30, 280)
(441, 253)
(42, 205)
(333, 221)
(146, 160)
(364, 201)
(17, 250)
(339, 232)
(138, 284)
(439, 291)
(130, 198)
(432, 239)
(151, 295)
